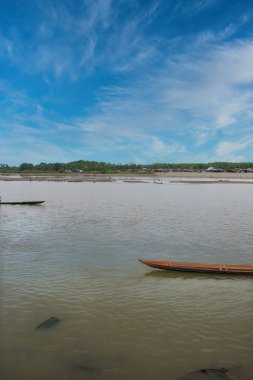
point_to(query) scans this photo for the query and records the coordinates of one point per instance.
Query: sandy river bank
(173, 176)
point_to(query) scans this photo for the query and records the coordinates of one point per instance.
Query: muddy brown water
(75, 258)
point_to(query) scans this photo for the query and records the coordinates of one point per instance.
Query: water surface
(75, 257)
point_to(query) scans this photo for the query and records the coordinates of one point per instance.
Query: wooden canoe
(31, 203)
(199, 267)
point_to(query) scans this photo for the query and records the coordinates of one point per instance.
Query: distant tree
(56, 166)
(25, 166)
(106, 167)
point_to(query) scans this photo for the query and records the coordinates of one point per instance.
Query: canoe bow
(199, 267)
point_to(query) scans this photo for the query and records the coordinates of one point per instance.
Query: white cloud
(159, 149)
(213, 87)
(187, 98)
(230, 148)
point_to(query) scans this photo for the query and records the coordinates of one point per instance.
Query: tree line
(106, 167)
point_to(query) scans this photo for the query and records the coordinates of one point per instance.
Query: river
(76, 258)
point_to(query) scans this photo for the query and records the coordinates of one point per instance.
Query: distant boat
(135, 181)
(199, 267)
(159, 182)
(31, 203)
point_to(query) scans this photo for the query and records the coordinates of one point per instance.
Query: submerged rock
(208, 374)
(48, 322)
(86, 368)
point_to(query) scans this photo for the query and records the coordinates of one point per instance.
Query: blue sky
(126, 80)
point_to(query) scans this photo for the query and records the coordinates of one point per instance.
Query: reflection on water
(197, 276)
(75, 258)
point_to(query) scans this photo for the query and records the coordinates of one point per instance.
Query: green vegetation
(105, 167)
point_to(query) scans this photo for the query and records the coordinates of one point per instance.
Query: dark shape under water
(209, 374)
(48, 322)
(86, 368)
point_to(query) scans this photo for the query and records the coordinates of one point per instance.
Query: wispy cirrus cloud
(198, 96)
(191, 7)
(61, 42)
(75, 43)
(120, 81)
(214, 84)
(192, 98)
(232, 150)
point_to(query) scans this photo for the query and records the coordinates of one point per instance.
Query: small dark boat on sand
(31, 203)
(199, 267)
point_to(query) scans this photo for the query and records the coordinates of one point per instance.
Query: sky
(122, 81)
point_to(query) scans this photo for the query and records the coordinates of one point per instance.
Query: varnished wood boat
(199, 267)
(31, 203)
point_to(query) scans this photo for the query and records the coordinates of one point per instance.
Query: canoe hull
(31, 203)
(200, 267)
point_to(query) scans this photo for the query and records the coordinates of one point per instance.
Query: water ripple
(75, 258)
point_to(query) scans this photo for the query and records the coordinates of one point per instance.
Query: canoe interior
(200, 267)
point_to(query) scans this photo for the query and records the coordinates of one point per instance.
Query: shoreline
(173, 177)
